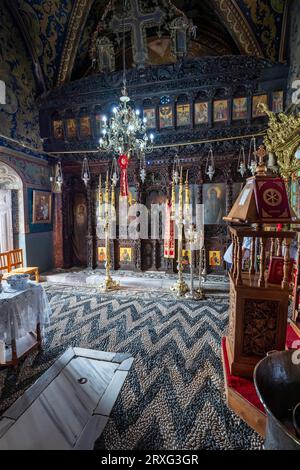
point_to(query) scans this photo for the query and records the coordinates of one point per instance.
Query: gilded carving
(283, 139)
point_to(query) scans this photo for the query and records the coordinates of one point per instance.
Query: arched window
(12, 224)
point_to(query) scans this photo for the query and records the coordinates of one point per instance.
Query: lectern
(258, 298)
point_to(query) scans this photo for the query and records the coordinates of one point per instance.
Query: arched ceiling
(57, 33)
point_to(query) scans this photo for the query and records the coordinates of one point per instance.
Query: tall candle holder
(109, 284)
(180, 287)
(195, 294)
(199, 293)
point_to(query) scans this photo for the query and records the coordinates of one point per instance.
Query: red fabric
(275, 271)
(123, 162)
(241, 385)
(291, 336)
(169, 235)
(245, 387)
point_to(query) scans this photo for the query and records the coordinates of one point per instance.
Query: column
(89, 236)
(58, 232)
(293, 48)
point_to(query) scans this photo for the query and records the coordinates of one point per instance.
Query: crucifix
(137, 21)
(260, 154)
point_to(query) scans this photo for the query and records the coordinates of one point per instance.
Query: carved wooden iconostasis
(80, 206)
(191, 106)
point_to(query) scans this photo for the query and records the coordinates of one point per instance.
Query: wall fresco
(19, 116)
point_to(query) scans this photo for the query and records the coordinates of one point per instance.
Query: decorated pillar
(294, 59)
(67, 222)
(138, 242)
(58, 232)
(89, 236)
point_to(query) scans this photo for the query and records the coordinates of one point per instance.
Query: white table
(23, 315)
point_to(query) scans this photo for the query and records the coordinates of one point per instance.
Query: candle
(113, 199)
(106, 191)
(187, 189)
(173, 198)
(180, 197)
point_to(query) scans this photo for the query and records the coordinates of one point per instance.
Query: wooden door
(6, 228)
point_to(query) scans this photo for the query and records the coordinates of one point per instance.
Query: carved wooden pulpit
(259, 295)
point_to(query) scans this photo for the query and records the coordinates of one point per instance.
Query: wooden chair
(4, 263)
(16, 264)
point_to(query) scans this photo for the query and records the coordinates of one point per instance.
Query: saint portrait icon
(201, 113)
(256, 100)
(101, 254)
(220, 110)
(165, 116)
(125, 255)
(58, 129)
(239, 108)
(277, 102)
(214, 203)
(183, 114)
(214, 258)
(186, 257)
(41, 210)
(149, 114)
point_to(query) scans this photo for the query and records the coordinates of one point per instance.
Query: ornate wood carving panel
(260, 326)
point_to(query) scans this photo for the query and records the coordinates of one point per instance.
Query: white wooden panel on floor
(5, 424)
(71, 409)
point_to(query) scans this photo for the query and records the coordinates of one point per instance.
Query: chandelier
(125, 133)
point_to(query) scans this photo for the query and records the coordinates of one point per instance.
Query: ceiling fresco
(47, 22)
(266, 19)
(60, 31)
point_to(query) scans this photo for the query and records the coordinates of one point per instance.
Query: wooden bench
(4, 262)
(12, 262)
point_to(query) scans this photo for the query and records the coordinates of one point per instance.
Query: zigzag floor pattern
(174, 396)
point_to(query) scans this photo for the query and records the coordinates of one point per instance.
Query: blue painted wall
(39, 248)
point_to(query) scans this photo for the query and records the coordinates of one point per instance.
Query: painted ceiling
(60, 31)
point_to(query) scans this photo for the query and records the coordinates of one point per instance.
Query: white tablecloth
(20, 311)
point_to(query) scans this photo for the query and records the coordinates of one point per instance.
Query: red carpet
(245, 387)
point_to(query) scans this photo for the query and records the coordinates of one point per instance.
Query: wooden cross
(136, 22)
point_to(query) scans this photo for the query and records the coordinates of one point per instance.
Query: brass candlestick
(180, 287)
(199, 293)
(193, 294)
(109, 284)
